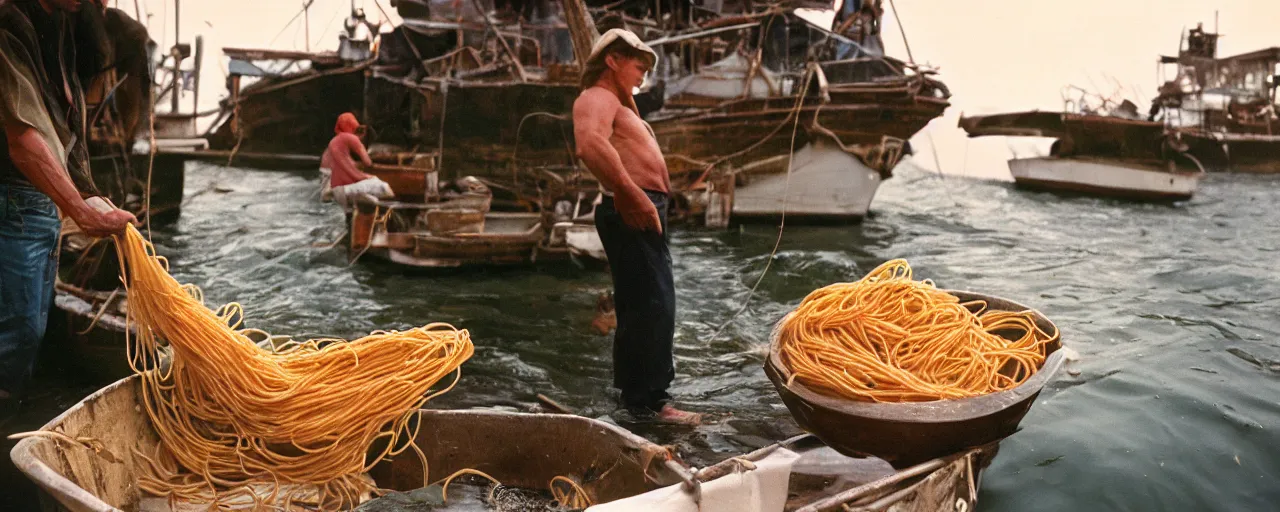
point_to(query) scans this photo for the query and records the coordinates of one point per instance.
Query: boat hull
(755, 131)
(473, 239)
(1245, 153)
(1103, 178)
(825, 184)
(628, 473)
(80, 480)
(291, 114)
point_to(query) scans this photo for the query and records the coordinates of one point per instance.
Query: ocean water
(1173, 403)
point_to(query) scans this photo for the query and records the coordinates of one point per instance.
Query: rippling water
(1173, 405)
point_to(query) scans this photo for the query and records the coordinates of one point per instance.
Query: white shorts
(346, 195)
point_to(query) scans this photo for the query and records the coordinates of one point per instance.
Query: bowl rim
(937, 411)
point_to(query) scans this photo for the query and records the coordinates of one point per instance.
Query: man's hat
(614, 34)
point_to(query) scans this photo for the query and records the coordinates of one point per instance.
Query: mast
(306, 22)
(582, 29)
(177, 55)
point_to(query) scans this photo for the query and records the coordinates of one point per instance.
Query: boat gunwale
(62, 489)
(1128, 164)
(25, 459)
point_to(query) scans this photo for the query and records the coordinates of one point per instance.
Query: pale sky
(995, 55)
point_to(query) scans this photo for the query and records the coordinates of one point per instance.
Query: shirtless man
(620, 150)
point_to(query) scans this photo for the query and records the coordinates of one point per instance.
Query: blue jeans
(645, 301)
(29, 228)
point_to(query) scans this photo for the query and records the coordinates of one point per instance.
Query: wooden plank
(267, 54)
(582, 29)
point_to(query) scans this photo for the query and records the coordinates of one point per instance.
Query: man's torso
(641, 156)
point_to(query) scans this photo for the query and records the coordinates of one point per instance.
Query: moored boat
(746, 95)
(85, 461)
(1224, 108)
(1104, 177)
(1100, 152)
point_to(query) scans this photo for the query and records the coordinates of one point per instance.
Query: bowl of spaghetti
(895, 368)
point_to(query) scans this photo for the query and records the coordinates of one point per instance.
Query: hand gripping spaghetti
(889, 338)
(232, 416)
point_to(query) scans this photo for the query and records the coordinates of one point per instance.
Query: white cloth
(763, 489)
(373, 187)
(326, 191)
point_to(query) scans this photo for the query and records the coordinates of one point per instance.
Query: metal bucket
(908, 433)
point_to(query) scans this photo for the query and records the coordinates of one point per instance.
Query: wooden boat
(96, 470)
(1104, 177)
(87, 330)
(289, 112)
(824, 183)
(427, 227)
(119, 102)
(1102, 154)
(728, 119)
(459, 238)
(420, 228)
(1225, 109)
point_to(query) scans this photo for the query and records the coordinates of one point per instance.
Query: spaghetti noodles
(233, 417)
(889, 338)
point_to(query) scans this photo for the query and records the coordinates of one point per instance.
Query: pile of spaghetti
(234, 418)
(890, 338)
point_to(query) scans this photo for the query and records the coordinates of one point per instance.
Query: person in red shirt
(345, 180)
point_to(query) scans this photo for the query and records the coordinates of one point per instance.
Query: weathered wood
(611, 462)
(582, 29)
(267, 54)
(515, 57)
(553, 405)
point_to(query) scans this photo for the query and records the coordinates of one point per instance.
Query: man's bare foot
(674, 416)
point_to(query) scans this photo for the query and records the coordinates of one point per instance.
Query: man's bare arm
(361, 152)
(354, 145)
(36, 161)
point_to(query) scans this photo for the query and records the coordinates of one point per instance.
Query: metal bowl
(908, 433)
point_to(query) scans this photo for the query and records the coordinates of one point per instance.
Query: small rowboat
(95, 470)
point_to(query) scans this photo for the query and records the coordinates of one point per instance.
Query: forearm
(606, 164)
(37, 163)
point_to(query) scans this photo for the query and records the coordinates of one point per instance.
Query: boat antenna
(902, 30)
(137, 12)
(306, 22)
(175, 93)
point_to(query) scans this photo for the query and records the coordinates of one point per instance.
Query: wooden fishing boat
(1099, 153)
(430, 226)
(732, 118)
(87, 331)
(1104, 177)
(442, 238)
(291, 103)
(1225, 108)
(85, 462)
(429, 230)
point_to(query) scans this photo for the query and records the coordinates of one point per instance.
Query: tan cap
(626, 35)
